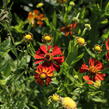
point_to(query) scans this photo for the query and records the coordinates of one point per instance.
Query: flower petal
(40, 81)
(38, 56)
(99, 76)
(59, 60)
(49, 47)
(48, 80)
(107, 44)
(56, 51)
(36, 76)
(43, 48)
(55, 67)
(38, 61)
(87, 78)
(84, 68)
(92, 62)
(96, 63)
(99, 66)
(50, 74)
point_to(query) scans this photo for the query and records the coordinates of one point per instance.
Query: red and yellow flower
(67, 30)
(49, 56)
(43, 75)
(93, 71)
(36, 17)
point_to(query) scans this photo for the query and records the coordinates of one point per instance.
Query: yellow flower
(47, 38)
(28, 36)
(55, 97)
(68, 103)
(80, 41)
(39, 5)
(97, 83)
(97, 48)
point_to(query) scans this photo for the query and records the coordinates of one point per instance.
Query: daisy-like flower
(43, 74)
(67, 30)
(49, 56)
(36, 17)
(93, 71)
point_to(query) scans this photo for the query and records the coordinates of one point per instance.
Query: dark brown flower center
(48, 57)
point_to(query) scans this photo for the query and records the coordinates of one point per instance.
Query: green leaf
(107, 9)
(105, 35)
(90, 52)
(97, 99)
(54, 18)
(5, 47)
(106, 70)
(23, 62)
(4, 81)
(77, 58)
(72, 52)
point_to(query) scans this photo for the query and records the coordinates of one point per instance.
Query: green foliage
(18, 87)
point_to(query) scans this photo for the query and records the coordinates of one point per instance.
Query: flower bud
(39, 5)
(80, 41)
(72, 3)
(28, 36)
(88, 26)
(97, 48)
(46, 38)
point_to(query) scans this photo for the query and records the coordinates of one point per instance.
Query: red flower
(107, 44)
(49, 56)
(93, 70)
(43, 74)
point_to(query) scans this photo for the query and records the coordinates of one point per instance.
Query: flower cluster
(66, 102)
(36, 18)
(49, 59)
